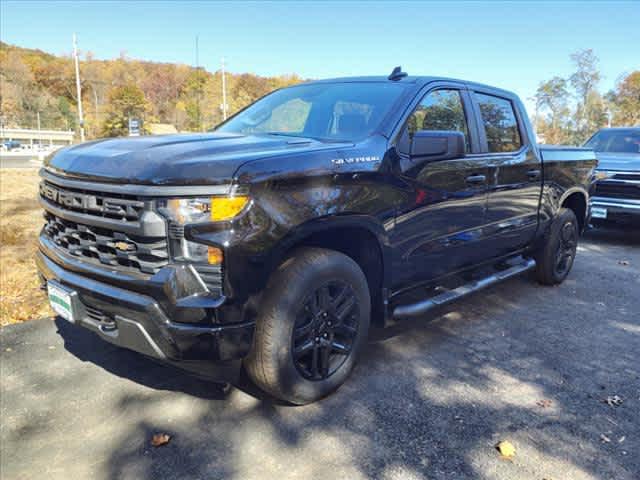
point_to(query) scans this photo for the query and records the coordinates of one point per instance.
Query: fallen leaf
(604, 438)
(544, 403)
(506, 449)
(160, 439)
(613, 401)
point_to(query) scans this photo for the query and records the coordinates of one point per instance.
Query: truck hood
(622, 162)
(183, 159)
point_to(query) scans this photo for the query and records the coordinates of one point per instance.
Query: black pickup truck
(276, 240)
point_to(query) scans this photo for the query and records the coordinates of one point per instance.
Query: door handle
(476, 179)
(533, 174)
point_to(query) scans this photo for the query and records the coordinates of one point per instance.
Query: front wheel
(313, 322)
(556, 257)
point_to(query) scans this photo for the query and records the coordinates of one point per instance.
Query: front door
(439, 227)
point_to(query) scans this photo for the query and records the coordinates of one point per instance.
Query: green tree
(124, 102)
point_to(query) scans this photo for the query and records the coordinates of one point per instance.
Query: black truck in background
(321, 209)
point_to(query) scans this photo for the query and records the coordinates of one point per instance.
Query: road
(519, 362)
(21, 160)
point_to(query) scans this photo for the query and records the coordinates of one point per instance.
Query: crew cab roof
(416, 81)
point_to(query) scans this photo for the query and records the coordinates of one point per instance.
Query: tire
(557, 254)
(322, 296)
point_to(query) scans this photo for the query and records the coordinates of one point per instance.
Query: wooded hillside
(33, 81)
(568, 110)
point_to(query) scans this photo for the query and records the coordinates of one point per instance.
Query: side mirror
(434, 145)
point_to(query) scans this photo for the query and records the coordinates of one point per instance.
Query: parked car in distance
(319, 210)
(616, 195)
(10, 145)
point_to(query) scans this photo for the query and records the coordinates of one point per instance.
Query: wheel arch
(360, 238)
(577, 200)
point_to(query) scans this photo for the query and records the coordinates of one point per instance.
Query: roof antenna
(397, 74)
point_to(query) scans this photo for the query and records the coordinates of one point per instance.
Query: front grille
(107, 247)
(618, 190)
(627, 176)
(124, 208)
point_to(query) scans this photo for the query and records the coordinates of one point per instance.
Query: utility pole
(224, 93)
(199, 92)
(78, 89)
(39, 137)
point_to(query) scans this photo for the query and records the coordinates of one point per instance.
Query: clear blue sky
(513, 45)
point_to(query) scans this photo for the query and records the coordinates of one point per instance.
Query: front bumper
(140, 314)
(618, 209)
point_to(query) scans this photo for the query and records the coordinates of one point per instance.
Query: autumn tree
(125, 102)
(590, 113)
(625, 100)
(191, 99)
(248, 88)
(552, 99)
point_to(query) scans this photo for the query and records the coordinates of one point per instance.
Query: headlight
(182, 211)
(202, 209)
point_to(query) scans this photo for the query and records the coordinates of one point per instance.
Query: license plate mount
(61, 300)
(598, 212)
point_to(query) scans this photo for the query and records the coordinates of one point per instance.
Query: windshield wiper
(285, 134)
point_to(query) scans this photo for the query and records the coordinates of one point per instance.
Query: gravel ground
(519, 362)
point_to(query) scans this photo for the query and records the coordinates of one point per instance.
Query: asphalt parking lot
(519, 362)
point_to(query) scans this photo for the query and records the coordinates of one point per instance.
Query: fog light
(214, 256)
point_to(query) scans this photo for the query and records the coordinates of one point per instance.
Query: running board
(423, 306)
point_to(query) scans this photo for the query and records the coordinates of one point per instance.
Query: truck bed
(555, 153)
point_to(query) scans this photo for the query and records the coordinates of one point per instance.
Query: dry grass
(20, 222)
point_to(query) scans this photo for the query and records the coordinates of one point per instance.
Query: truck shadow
(428, 400)
(89, 347)
(614, 236)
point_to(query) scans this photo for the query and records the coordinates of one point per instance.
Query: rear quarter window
(499, 122)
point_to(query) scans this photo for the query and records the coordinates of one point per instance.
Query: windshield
(325, 111)
(618, 141)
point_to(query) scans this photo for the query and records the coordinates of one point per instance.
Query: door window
(499, 122)
(439, 110)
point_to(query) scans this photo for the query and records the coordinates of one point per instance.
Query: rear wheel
(556, 257)
(313, 323)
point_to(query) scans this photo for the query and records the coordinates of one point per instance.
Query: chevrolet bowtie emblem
(124, 246)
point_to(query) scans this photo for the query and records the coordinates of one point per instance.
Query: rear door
(439, 227)
(514, 172)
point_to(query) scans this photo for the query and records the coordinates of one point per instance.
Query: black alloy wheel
(556, 254)
(567, 246)
(325, 330)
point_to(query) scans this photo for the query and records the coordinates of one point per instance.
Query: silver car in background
(616, 196)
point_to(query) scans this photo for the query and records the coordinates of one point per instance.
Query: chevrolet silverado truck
(616, 195)
(275, 241)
